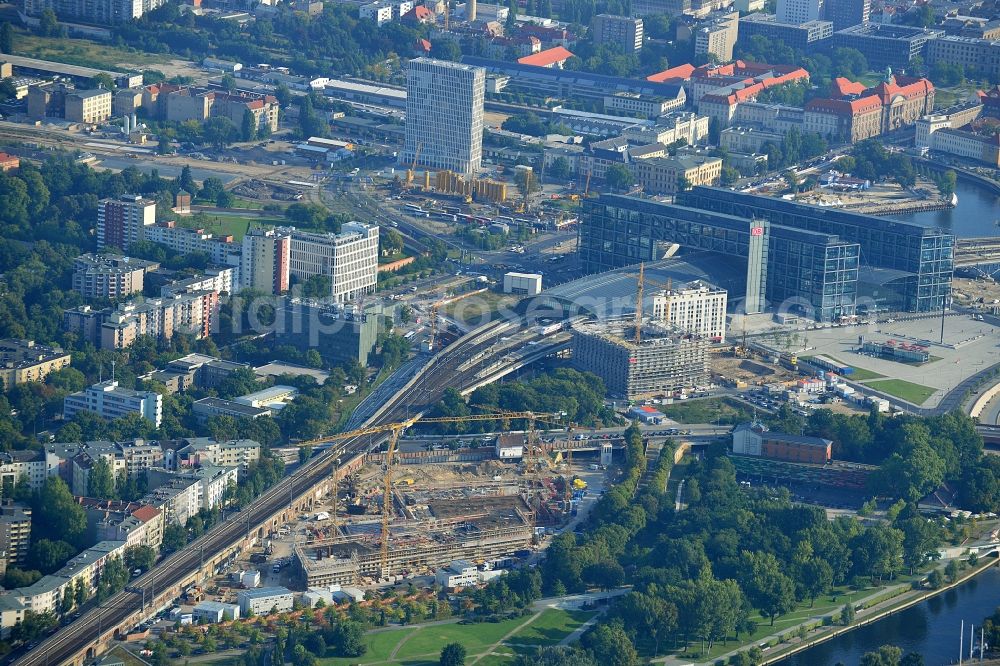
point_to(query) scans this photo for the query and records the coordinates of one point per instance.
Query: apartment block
(109, 276)
(265, 261)
(15, 531)
(211, 482)
(220, 279)
(31, 465)
(444, 115)
(102, 12)
(799, 11)
(110, 401)
(384, 11)
(134, 523)
(123, 221)
(623, 33)
(24, 361)
(697, 308)
(349, 258)
(717, 36)
(221, 250)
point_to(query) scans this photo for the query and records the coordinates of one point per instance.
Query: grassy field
(914, 393)
(224, 225)
(415, 646)
(709, 410)
(82, 52)
(861, 375)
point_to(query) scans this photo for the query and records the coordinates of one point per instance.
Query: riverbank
(877, 612)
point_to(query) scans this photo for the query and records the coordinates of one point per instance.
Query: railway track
(182, 568)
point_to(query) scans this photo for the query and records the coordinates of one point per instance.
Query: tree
(140, 557)
(48, 555)
(847, 614)
(887, 655)
(951, 571)
(249, 127)
(102, 80)
(618, 177)
(48, 25)
(219, 132)
(14, 578)
(348, 639)
(768, 588)
(59, 515)
(559, 169)
(446, 49)
(390, 242)
(228, 83)
(100, 481)
(452, 654)
(611, 646)
(555, 656)
(606, 575)
(6, 37)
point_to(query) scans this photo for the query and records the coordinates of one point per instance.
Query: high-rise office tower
(121, 222)
(444, 115)
(799, 11)
(847, 13)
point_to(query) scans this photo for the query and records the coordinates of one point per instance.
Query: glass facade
(804, 271)
(926, 254)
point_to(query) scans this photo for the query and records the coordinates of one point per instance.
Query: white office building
(696, 308)
(349, 258)
(263, 600)
(799, 11)
(109, 400)
(444, 115)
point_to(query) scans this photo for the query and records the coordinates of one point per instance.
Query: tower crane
(395, 430)
(413, 166)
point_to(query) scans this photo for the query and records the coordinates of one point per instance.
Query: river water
(977, 213)
(930, 628)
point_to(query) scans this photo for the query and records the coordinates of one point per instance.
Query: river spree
(977, 213)
(930, 628)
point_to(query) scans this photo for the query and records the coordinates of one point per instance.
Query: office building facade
(349, 258)
(799, 11)
(847, 13)
(444, 115)
(110, 401)
(885, 46)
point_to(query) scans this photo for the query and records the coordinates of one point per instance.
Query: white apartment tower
(799, 11)
(350, 258)
(444, 115)
(122, 221)
(696, 308)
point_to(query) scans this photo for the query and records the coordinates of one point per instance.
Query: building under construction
(475, 529)
(480, 189)
(656, 360)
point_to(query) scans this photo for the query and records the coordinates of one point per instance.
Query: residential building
(800, 11)
(661, 362)
(885, 46)
(194, 314)
(349, 258)
(102, 12)
(24, 361)
(221, 250)
(15, 532)
(265, 600)
(384, 11)
(178, 497)
(109, 276)
(110, 401)
(194, 370)
(623, 33)
(990, 99)
(444, 115)
(717, 36)
(697, 308)
(74, 105)
(123, 221)
(212, 482)
(806, 36)
(28, 464)
(668, 175)
(265, 261)
(220, 279)
(74, 461)
(199, 451)
(134, 523)
(84, 570)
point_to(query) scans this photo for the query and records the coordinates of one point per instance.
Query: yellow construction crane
(586, 187)
(432, 340)
(395, 430)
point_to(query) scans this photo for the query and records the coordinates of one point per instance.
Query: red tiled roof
(546, 58)
(841, 87)
(910, 88)
(844, 106)
(146, 513)
(680, 72)
(419, 13)
(424, 45)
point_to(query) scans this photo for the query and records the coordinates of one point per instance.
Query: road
(460, 366)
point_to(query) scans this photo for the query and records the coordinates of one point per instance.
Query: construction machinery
(639, 286)
(413, 167)
(394, 431)
(432, 339)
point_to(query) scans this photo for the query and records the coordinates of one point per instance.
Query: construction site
(385, 523)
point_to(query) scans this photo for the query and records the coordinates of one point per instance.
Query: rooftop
(547, 58)
(264, 592)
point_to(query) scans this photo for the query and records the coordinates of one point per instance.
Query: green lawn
(82, 52)
(422, 645)
(861, 375)
(224, 225)
(908, 391)
(707, 410)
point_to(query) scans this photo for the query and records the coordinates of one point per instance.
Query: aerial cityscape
(536, 333)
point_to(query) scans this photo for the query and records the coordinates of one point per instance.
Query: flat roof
(264, 592)
(56, 67)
